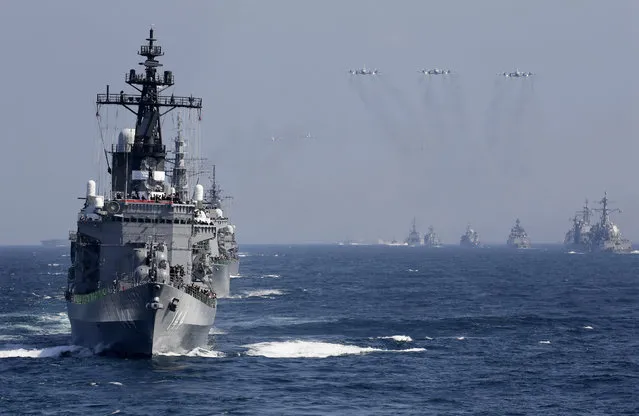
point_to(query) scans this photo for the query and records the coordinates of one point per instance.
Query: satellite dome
(126, 139)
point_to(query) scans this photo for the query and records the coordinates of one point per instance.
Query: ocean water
(350, 330)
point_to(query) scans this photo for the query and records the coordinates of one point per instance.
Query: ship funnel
(90, 188)
(199, 193)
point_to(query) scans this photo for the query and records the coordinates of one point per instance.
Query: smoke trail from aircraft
(388, 126)
(458, 107)
(398, 131)
(509, 125)
(433, 110)
(444, 107)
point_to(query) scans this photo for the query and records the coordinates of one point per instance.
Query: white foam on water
(240, 254)
(115, 383)
(544, 342)
(398, 338)
(10, 337)
(588, 327)
(274, 276)
(197, 352)
(55, 323)
(428, 338)
(413, 270)
(311, 349)
(236, 276)
(460, 338)
(263, 293)
(634, 252)
(217, 331)
(51, 352)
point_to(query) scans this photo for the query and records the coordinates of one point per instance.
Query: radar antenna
(140, 169)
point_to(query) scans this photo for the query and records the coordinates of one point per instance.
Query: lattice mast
(139, 167)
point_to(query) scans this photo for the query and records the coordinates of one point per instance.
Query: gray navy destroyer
(227, 263)
(143, 253)
(518, 238)
(431, 239)
(603, 236)
(578, 237)
(413, 238)
(470, 238)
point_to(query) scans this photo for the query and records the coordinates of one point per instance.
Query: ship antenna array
(149, 106)
(605, 211)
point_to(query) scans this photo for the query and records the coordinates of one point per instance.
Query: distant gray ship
(431, 239)
(605, 235)
(470, 238)
(228, 261)
(143, 254)
(518, 237)
(55, 242)
(578, 237)
(413, 238)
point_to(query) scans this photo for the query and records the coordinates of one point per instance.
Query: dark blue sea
(365, 330)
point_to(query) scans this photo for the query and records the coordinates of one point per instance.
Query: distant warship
(55, 242)
(431, 239)
(605, 235)
(578, 237)
(470, 238)
(518, 237)
(143, 255)
(228, 264)
(413, 238)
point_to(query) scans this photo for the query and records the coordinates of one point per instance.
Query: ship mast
(586, 212)
(214, 196)
(605, 211)
(140, 168)
(179, 177)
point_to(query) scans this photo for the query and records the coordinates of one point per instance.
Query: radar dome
(126, 139)
(199, 192)
(91, 188)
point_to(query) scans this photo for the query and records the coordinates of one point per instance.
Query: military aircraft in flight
(435, 71)
(516, 74)
(364, 71)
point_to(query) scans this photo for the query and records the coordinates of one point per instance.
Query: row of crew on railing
(204, 295)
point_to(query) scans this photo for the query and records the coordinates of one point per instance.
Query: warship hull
(221, 279)
(234, 267)
(142, 321)
(623, 246)
(518, 244)
(582, 248)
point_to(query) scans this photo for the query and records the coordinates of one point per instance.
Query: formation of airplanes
(364, 71)
(516, 74)
(435, 71)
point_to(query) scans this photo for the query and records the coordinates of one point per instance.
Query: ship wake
(50, 352)
(312, 349)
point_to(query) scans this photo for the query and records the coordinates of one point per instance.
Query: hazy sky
(473, 148)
